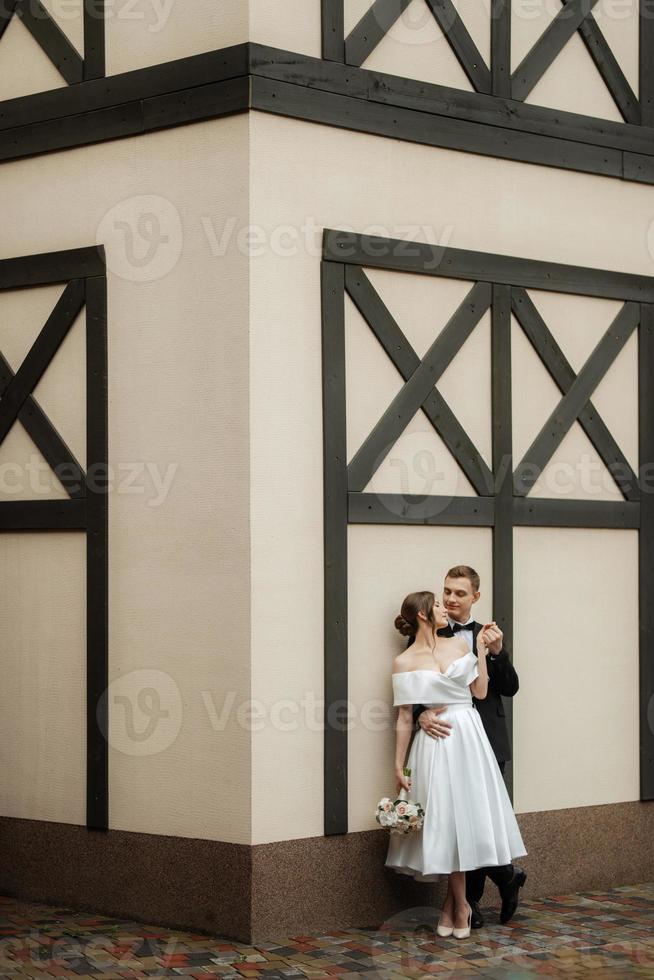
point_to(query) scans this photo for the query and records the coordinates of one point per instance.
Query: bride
(469, 821)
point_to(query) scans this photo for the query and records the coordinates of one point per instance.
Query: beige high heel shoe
(444, 930)
(465, 932)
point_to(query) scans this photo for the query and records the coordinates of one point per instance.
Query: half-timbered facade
(301, 303)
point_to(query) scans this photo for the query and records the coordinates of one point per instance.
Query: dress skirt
(469, 821)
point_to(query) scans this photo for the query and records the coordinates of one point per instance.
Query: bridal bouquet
(402, 816)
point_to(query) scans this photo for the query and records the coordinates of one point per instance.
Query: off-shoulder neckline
(430, 670)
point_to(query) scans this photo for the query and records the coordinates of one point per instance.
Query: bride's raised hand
(483, 640)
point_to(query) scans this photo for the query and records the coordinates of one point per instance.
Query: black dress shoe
(509, 893)
(477, 920)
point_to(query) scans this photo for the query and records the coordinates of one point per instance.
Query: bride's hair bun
(416, 602)
(404, 626)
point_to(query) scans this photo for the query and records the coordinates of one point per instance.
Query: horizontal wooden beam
(456, 263)
(43, 515)
(443, 100)
(51, 267)
(401, 508)
(131, 119)
(380, 119)
(543, 512)
(323, 91)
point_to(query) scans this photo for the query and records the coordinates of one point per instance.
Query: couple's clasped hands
(489, 640)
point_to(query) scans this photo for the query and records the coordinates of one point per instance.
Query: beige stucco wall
(576, 651)
(178, 505)
(191, 581)
(309, 182)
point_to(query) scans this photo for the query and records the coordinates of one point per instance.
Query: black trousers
(476, 879)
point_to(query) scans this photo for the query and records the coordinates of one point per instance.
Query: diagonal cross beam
(575, 399)
(401, 353)
(47, 33)
(564, 376)
(458, 36)
(46, 438)
(548, 46)
(23, 383)
(375, 23)
(7, 8)
(419, 386)
(609, 68)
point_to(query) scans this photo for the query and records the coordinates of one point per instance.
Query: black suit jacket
(502, 682)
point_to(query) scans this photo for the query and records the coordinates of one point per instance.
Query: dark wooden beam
(46, 438)
(646, 549)
(457, 263)
(40, 354)
(7, 8)
(646, 62)
(445, 131)
(375, 23)
(335, 548)
(400, 508)
(47, 33)
(609, 68)
(502, 470)
(548, 46)
(501, 48)
(97, 556)
(462, 44)
(562, 512)
(50, 267)
(43, 515)
(333, 30)
(94, 39)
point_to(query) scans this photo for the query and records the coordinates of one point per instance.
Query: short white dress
(469, 821)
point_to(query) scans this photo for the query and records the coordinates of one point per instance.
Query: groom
(460, 592)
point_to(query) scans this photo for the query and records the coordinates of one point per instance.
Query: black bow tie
(463, 626)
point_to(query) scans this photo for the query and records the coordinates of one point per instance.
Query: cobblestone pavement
(592, 934)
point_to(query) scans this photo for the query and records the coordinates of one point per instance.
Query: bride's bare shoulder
(402, 662)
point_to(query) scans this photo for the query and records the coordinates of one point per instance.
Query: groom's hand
(494, 637)
(432, 725)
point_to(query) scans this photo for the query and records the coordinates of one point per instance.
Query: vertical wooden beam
(646, 548)
(94, 43)
(333, 30)
(501, 48)
(503, 472)
(335, 545)
(646, 62)
(97, 571)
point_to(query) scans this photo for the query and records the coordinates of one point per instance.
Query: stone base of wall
(269, 891)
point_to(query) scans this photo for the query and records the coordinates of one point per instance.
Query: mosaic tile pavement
(592, 934)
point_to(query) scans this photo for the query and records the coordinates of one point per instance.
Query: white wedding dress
(469, 821)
